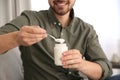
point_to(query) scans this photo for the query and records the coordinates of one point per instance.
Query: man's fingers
(33, 29)
(29, 35)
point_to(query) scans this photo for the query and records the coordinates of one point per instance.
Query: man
(29, 32)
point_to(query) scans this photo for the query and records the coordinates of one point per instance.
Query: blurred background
(104, 15)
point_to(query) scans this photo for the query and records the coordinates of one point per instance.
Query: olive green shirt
(38, 59)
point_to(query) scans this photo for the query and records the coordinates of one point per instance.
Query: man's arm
(73, 59)
(8, 41)
(28, 35)
(91, 69)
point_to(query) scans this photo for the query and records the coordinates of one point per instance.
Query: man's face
(61, 7)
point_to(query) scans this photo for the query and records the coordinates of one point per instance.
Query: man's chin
(61, 13)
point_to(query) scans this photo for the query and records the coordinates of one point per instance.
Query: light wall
(104, 16)
(12, 8)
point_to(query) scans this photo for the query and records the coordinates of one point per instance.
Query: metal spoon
(60, 40)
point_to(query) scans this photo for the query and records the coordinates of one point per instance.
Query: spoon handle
(51, 36)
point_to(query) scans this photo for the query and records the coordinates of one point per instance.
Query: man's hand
(72, 59)
(29, 35)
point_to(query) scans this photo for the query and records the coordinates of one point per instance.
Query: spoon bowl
(60, 40)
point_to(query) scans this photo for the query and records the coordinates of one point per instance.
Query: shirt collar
(54, 20)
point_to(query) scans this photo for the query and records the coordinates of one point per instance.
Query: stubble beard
(61, 11)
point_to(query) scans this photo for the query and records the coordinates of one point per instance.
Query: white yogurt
(60, 40)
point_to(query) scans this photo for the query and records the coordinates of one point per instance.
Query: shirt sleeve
(96, 54)
(26, 18)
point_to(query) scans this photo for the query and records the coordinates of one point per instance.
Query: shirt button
(54, 23)
(62, 34)
(59, 24)
(69, 72)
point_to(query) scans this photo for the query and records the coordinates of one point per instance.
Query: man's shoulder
(83, 24)
(32, 12)
(35, 17)
(83, 21)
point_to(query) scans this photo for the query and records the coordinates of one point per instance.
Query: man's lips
(60, 3)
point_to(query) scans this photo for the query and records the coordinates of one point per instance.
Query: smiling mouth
(60, 3)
